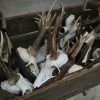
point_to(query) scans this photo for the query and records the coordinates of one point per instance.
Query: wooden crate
(21, 27)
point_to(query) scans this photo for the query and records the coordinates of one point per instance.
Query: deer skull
(25, 86)
(71, 29)
(48, 67)
(22, 85)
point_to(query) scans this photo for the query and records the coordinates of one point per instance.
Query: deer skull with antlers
(55, 58)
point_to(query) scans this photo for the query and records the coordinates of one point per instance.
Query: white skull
(22, 85)
(25, 86)
(48, 67)
(10, 88)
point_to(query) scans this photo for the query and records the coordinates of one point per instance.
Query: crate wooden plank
(67, 87)
(6, 96)
(25, 23)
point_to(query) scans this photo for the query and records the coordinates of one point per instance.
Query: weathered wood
(25, 23)
(22, 27)
(6, 96)
(67, 87)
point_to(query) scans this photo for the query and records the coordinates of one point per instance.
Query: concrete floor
(92, 94)
(12, 8)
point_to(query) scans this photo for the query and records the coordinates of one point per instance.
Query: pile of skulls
(70, 45)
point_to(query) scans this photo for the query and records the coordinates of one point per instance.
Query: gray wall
(12, 8)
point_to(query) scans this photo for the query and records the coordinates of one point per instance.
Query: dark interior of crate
(22, 31)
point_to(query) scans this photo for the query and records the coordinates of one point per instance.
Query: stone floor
(92, 94)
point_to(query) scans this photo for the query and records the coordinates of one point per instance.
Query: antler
(71, 49)
(94, 5)
(59, 58)
(84, 5)
(78, 47)
(1, 45)
(3, 67)
(52, 48)
(43, 23)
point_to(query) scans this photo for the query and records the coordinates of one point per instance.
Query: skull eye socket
(56, 70)
(31, 64)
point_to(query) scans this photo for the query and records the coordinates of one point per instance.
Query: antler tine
(79, 46)
(84, 5)
(49, 35)
(43, 25)
(10, 46)
(38, 15)
(2, 64)
(76, 39)
(39, 21)
(52, 39)
(45, 19)
(67, 47)
(36, 19)
(62, 14)
(54, 53)
(52, 19)
(59, 22)
(76, 22)
(1, 44)
(49, 12)
(51, 8)
(74, 45)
